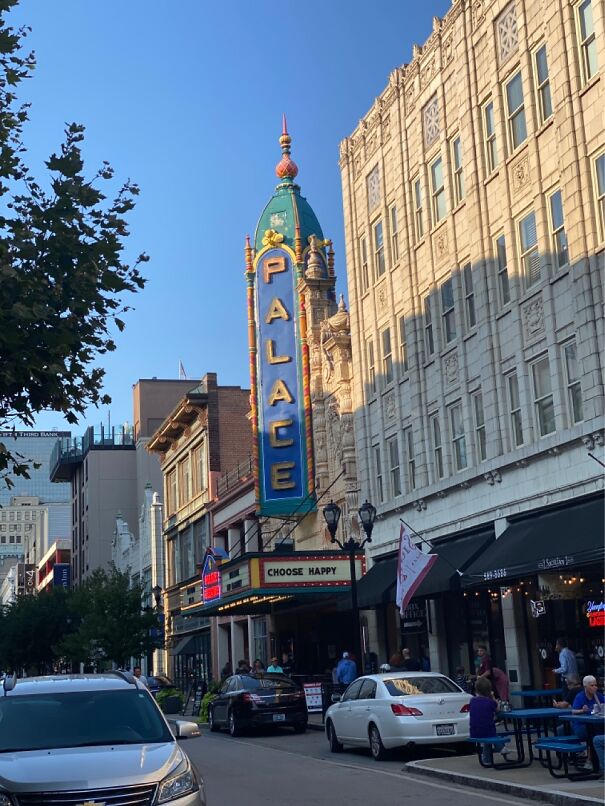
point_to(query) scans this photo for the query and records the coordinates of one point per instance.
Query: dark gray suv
(71, 739)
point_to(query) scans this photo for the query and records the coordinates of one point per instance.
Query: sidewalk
(315, 722)
(529, 783)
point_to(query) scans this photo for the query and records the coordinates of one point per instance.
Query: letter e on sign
(280, 475)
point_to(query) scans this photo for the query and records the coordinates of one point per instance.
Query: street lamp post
(159, 609)
(367, 516)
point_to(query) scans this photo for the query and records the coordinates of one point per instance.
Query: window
(502, 268)
(431, 122)
(489, 131)
(403, 350)
(378, 467)
(542, 83)
(394, 235)
(458, 173)
(514, 409)
(530, 257)
(458, 437)
(587, 41)
(371, 367)
(480, 433)
(365, 274)
(185, 481)
(574, 387)
(418, 210)
(394, 469)
(200, 467)
(543, 399)
(429, 342)
(379, 263)
(387, 356)
(557, 231)
(373, 189)
(448, 313)
(469, 296)
(171, 492)
(411, 458)
(517, 129)
(438, 191)
(599, 166)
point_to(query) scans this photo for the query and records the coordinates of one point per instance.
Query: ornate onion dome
(286, 168)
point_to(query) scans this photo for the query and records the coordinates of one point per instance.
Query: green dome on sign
(287, 209)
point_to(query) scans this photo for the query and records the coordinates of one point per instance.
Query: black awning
(374, 587)
(379, 585)
(548, 541)
(455, 554)
(185, 646)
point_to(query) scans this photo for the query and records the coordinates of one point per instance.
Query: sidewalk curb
(172, 718)
(555, 797)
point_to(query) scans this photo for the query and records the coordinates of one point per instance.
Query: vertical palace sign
(279, 371)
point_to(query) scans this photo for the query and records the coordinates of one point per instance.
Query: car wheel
(378, 750)
(212, 724)
(234, 726)
(300, 728)
(335, 745)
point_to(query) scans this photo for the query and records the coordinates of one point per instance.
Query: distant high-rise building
(36, 447)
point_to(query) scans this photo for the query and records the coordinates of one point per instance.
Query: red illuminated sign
(596, 614)
(211, 581)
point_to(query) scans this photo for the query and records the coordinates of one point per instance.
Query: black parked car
(253, 700)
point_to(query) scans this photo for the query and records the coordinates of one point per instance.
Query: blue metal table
(525, 720)
(594, 724)
(544, 696)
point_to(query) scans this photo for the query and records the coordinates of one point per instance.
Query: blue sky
(186, 99)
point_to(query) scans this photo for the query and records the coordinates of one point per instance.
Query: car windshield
(267, 682)
(79, 719)
(402, 686)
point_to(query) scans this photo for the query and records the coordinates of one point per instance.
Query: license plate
(279, 717)
(445, 730)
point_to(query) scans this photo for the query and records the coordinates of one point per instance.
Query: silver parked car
(395, 709)
(73, 739)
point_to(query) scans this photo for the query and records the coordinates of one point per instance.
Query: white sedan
(397, 709)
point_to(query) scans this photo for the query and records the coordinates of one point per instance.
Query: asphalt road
(285, 769)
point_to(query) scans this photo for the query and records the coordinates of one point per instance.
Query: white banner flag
(412, 567)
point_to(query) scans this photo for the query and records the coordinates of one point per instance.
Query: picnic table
(594, 723)
(525, 722)
(539, 694)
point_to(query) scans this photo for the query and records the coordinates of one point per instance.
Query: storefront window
(566, 605)
(260, 639)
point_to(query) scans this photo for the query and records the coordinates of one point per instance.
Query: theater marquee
(289, 572)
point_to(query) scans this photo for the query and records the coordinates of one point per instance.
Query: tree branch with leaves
(63, 275)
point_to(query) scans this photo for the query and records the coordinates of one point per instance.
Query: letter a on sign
(280, 392)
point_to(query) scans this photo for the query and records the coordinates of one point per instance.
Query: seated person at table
(483, 708)
(574, 687)
(585, 702)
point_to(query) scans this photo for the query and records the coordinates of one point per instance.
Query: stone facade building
(206, 432)
(474, 201)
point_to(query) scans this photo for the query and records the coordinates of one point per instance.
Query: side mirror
(336, 697)
(186, 730)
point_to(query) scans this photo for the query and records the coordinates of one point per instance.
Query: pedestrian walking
(137, 673)
(274, 667)
(568, 665)
(346, 671)
(461, 679)
(409, 663)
